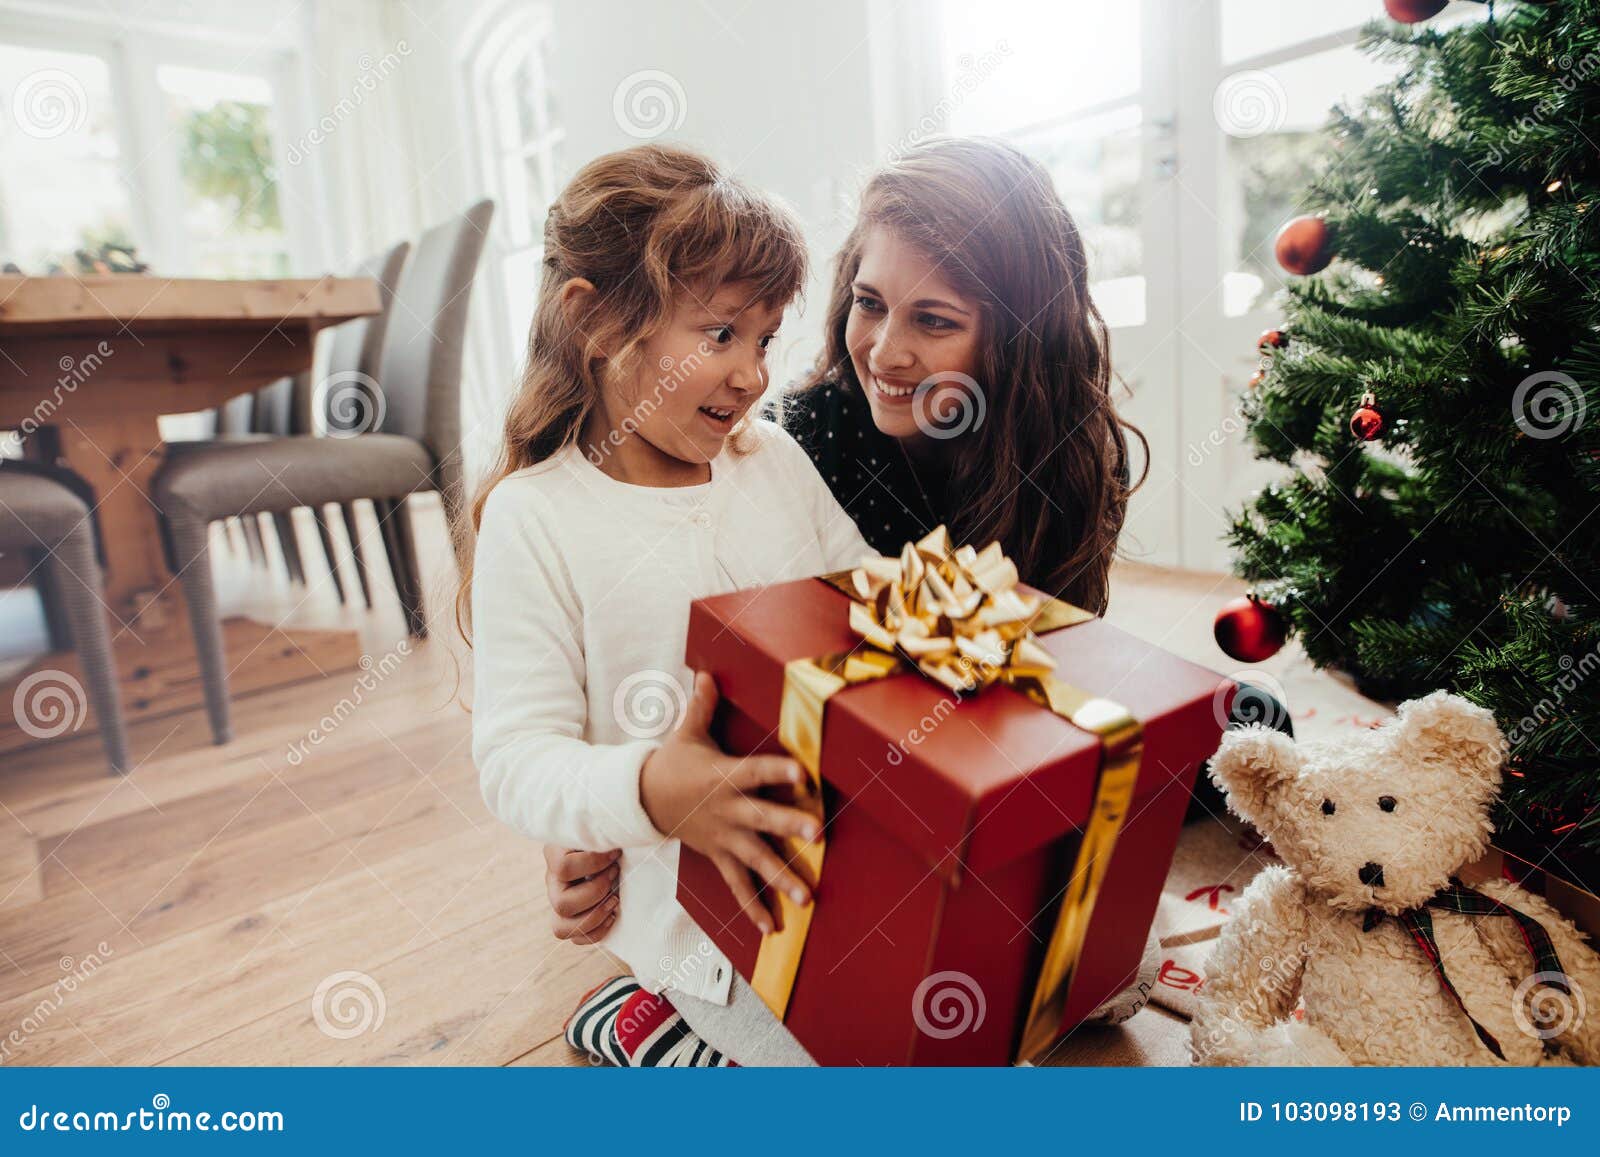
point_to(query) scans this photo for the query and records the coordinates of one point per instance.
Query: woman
(966, 378)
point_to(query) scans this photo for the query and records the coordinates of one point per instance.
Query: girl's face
(910, 328)
(696, 379)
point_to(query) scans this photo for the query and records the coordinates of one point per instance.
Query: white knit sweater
(580, 607)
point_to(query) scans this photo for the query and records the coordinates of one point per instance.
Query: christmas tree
(1435, 388)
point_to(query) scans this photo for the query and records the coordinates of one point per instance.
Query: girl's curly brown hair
(644, 226)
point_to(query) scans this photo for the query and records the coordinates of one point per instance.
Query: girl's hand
(583, 892)
(710, 801)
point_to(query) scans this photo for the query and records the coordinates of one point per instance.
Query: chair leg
(252, 539)
(348, 509)
(289, 544)
(405, 534)
(78, 579)
(48, 583)
(326, 534)
(192, 559)
(394, 518)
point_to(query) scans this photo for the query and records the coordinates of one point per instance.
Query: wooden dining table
(99, 360)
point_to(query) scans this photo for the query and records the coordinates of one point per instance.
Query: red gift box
(952, 829)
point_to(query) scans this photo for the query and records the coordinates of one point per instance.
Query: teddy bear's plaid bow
(1457, 897)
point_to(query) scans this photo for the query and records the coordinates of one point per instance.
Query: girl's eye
(1327, 807)
(934, 321)
(722, 335)
(1386, 802)
(870, 304)
(766, 342)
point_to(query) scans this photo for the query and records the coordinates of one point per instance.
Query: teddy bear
(1366, 921)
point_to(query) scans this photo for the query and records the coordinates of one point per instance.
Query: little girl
(634, 479)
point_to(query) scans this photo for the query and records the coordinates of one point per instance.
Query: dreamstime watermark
(1571, 73)
(947, 1004)
(160, 1117)
(48, 704)
(671, 973)
(77, 972)
(1573, 674)
(921, 730)
(74, 372)
(948, 404)
(49, 103)
(649, 703)
(351, 402)
(1249, 103)
(1276, 984)
(1234, 423)
(374, 672)
(981, 671)
(1548, 404)
(372, 74)
(348, 1004)
(1547, 1004)
(674, 372)
(971, 72)
(648, 103)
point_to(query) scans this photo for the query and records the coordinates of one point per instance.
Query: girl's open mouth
(721, 418)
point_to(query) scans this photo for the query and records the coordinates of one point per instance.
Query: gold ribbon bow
(956, 616)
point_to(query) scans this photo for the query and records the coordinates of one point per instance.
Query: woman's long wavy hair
(990, 219)
(644, 226)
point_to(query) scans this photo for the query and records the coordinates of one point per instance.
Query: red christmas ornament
(1304, 246)
(1413, 11)
(1367, 423)
(1274, 339)
(1249, 630)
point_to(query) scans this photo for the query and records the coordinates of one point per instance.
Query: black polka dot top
(865, 468)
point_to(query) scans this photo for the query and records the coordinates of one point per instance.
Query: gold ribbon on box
(955, 616)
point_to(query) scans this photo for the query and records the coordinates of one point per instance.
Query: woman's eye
(1386, 802)
(1327, 807)
(934, 321)
(870, 304)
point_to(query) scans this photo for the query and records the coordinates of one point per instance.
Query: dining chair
(284, 407)
(408, 444)
(42, 515)
(353, 362)
(234, 419)
(40, 449)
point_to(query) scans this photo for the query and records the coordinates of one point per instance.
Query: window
(1287, 68)
(1094, 162)
(221, 125)
(1062, 83)
(1265, 173)
(519, 123)
(1181, 137)
(61, 187)
(119, 136)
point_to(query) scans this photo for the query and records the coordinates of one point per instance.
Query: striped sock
(592, 1026)
(653, 1034)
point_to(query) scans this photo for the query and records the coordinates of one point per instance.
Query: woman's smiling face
(909, 324)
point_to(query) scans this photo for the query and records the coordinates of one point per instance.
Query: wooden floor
(247, 905)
